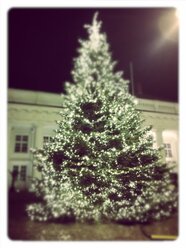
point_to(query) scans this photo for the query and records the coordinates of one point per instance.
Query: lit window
(46, 140)
(168, 150)
(23, 173)
(21, 143)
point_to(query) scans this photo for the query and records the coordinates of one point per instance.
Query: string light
(101, 163)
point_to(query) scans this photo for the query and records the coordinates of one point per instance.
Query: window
(46, 139)
(20, 172)
(23, 173)
(168, 150)
(15, 171)
(21, 143)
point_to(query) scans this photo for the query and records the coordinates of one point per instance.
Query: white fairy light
(97, 164)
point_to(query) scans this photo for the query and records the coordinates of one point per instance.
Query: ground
(21, 228)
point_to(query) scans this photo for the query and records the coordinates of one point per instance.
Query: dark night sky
(43, 43)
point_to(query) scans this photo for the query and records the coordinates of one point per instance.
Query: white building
(31, 121)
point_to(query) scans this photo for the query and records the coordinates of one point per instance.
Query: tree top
(94, 31)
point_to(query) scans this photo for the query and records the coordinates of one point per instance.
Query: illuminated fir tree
(101, 164)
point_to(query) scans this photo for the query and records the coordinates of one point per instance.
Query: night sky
(43, 43)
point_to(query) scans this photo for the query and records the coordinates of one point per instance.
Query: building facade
(32, 120)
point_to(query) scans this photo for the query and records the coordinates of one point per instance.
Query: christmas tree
(101, 164)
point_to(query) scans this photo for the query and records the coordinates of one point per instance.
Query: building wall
(32, 116)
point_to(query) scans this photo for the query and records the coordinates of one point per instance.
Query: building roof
(54, 100)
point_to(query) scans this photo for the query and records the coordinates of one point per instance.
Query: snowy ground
(21, 228)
